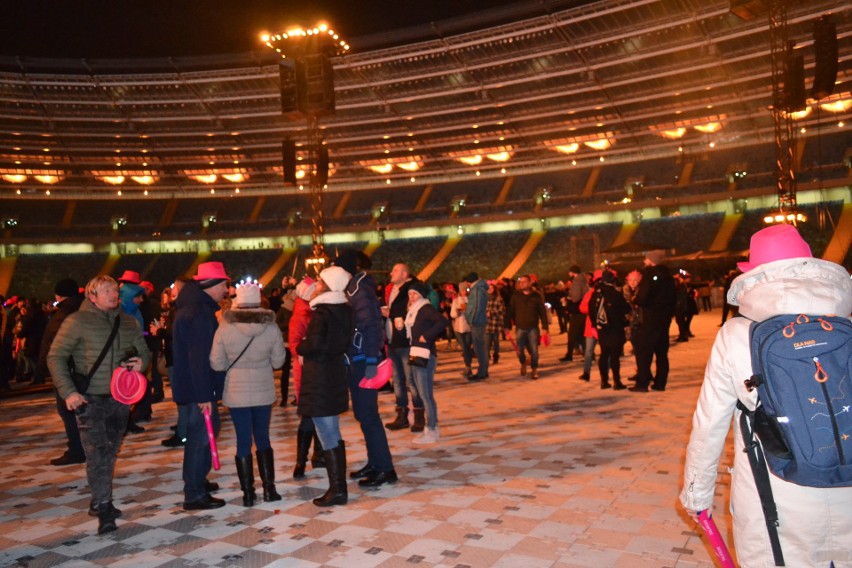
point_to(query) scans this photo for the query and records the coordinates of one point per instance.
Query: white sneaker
(429, 436)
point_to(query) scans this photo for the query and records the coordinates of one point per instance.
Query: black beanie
(67, 288)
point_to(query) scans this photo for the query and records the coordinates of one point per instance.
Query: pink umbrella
(214, 452)
(716, 541)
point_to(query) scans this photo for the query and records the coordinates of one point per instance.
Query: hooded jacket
(477, 304)
(369, 339)
(815, 525)
(297, 328)
(82, 336)
(325, 390)
(250, 382)
(192, 338)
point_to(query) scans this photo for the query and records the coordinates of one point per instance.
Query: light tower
(307, 93)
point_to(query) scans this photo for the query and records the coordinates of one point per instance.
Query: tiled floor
(547, 473)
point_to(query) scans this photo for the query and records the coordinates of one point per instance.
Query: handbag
(81, 381)
(418, 361)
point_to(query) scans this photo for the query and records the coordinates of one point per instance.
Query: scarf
(411, 315)
(330, 297)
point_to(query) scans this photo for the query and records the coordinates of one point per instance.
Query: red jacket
(295, 333)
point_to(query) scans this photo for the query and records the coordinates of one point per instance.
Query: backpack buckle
(752, 383)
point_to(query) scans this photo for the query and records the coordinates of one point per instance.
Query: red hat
(149, 288)
(211, 271)
(130, 276)
(126, 386)
(778, 242)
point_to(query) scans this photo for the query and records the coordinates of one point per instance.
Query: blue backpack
(801, 369)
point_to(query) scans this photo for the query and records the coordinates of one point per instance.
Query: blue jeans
(589, 354)
(328, 430)
(196, 453)
(466, 341)
(402, 378)
(251, 421)
(424, 382)
(365, 407)
(481, 349)
(102, 422)
(528, 341)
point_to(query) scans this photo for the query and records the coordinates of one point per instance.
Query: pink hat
(130, 276)
(384, 371)
(778, 242)
(211, 271)
(126, 386)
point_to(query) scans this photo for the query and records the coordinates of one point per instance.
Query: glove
(370, 371)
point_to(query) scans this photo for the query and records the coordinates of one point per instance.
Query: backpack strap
(761, 480)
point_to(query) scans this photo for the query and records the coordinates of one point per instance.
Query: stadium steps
(838, 246)
(726, 232)
(439, 257)
(523, 255)
(7, 270)
(277, 265)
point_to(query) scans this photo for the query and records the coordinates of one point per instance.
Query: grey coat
(250, 381)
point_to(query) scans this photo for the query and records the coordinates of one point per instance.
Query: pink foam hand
(214, 452)
(716, 541)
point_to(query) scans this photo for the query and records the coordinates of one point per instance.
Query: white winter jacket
(250, 381)
(815, 525)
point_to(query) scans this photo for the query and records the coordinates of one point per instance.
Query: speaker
(794, 83)
(287, 85)
(315, 85)
(288, 160)
(322, 165)
(825, 54)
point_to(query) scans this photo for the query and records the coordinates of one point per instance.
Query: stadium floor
(547, 473)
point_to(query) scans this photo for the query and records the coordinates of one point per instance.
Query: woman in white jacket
(814, 524)
(248, 346)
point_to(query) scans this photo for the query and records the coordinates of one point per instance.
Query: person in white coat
(248, 346)
(814, 524)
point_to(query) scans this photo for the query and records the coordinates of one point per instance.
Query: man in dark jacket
(526, 310)
(476, 314)
(102, 419)
(68, 300)
(195, 383)
(396, 296)
(656, 297)
(363, 355)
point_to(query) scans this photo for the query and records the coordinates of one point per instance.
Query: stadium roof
(615, 80)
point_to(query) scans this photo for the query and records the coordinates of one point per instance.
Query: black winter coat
(325, 390)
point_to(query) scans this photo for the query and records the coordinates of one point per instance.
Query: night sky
(163, 28)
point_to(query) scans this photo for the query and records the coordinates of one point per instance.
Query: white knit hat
(248, 296)
(306, 288)
(336, 278)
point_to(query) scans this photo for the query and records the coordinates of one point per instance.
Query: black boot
(303, 446)
(617, 384)
(335, 464)
(317, 457)
(106, 522)
(245, 471)
(401, 420)
(266, 469)
(419, 420)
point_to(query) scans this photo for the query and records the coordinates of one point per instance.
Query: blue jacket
(192, 339)
(369, 338)
(126, 294)
(477, 302)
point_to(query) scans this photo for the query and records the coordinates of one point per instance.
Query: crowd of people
(220, 341)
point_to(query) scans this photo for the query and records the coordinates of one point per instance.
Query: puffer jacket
(369, 337)
(297, 328)
(250, 382)
(477, 302)
(815, 525)
(82, 336)
(325, 390)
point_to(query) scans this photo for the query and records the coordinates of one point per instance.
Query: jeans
(402, 378)
(102, 421)
(365, 407)
(589, 354)
(528, 341)
(424, 381)
(182, 417)
(466, 341)
(481, 350)
(196, 453)
(251, 421)
(328, 430)
(493, 342)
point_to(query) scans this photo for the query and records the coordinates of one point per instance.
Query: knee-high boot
(335, 464)
(245, 471)
(303, 446)
(266, 468)
(318, 456)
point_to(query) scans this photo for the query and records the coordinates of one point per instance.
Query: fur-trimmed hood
(250, 321)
